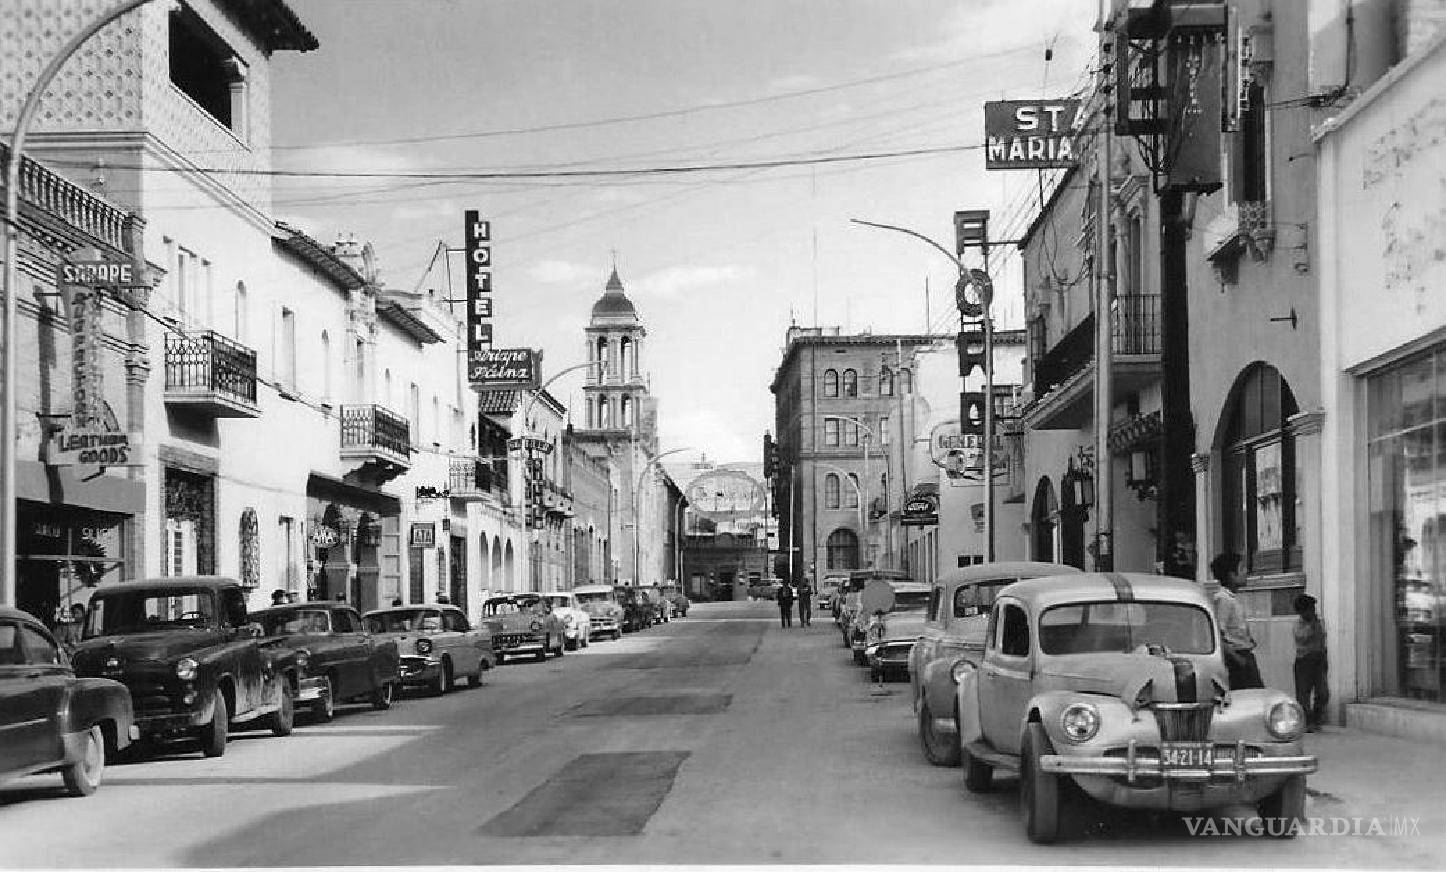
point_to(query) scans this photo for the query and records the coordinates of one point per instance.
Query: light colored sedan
(437, 643)
(576, 623)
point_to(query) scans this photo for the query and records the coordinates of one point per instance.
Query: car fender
(966, 701)
(936, 687)
(93, 700)
(1115, 716)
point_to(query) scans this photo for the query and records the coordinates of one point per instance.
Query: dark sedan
(336, 660)
(51, 721)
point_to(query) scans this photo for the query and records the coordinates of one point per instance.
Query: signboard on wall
(423, 536)
(504, 369)
(1030, 134)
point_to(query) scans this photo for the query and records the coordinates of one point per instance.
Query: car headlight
(957, 671)
(186, 669)
(1080, 721)
(424, 646)
(303, 658)
(871, 650)
(536, 625)
(1285, 720)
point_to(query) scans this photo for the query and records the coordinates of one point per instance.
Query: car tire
(876, 675)
(84, 775)
(978, 775)
(282, 721)
(324, 708)
(1041, 796)
(937, 750)
(442, 684)
(859, 657)
(542, 654)
(213, 735)
(571, 644)
(383, 695)
(1286, 805)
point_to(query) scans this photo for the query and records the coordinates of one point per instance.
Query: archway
(1258, 483)
(497, 576)
(509, 567)
(485, 561)
(1043, 514)
(842, 549)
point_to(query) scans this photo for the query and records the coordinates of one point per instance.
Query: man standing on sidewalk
(1237, 643)
(805, 605)
(785, 605)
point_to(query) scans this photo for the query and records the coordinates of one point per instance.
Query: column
(1204, 534)
(240, 117)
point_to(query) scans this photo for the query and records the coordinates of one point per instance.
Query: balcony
(378, 437)
(210, 374)
(474, 480)
(72, 204)
(1064, 376)
(556, 501)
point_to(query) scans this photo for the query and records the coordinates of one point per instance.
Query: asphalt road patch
(644, 706)
(594, 795)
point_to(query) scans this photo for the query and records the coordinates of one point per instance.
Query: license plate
(1191, 755)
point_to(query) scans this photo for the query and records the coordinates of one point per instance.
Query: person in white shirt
(1238, 646)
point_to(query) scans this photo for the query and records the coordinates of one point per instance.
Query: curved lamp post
(8, 429)
(637, 515)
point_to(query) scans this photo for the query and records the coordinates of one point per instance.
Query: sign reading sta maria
(1030, 134)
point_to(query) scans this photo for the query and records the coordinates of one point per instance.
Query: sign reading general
(493, 369)
(1030, 134)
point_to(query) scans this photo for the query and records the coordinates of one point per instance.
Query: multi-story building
(841, 407)
(592, 482)
(726, 526)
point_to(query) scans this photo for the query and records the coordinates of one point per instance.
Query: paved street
(716, 739)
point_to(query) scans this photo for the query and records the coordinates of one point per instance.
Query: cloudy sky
(718, 262)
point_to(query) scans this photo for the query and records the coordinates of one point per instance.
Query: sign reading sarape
(1030, 134)
(503, 368)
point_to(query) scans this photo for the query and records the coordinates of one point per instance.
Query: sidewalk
(1373, 775)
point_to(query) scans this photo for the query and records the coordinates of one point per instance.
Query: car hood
(602, 608)
(1138, 676)
(158, 647)
(900, 626)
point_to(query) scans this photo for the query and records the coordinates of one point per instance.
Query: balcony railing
(475, 479)
(69, 202)
(1136, 326)
(375, 432)
(209, 372)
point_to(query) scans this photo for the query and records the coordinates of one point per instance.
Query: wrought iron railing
(209, 363)
(372, 426)
(1136, 325)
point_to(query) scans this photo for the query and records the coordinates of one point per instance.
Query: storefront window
(62, 551)
(1407, 503)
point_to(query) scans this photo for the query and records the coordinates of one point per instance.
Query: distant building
(726, 545)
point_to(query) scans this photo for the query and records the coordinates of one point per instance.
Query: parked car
(524, 624)
(889, 638)
(849, 613)
(662, 606)
(50, 720)
(335, 660)
(955, 625)
(765, 589)
(1113, 685)
(601, 603)
(189, 655)
(828, 589)
(576, 623)
(676, 598)
(437, 646)
(638, 611)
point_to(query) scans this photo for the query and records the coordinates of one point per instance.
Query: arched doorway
(842, 549)
(485, 562)
(1258, 482)
(1071, 524)
(498, 582)
(1043, 514)
(509, 567)
(364, 594)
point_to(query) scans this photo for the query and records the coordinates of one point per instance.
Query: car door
(926, 647)
(29, 698)
(1007, 675)
(350, 645)
(462, 641)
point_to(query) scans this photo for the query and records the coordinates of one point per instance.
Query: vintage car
(888, 638)
(676, 598)
(335, 659)
(849, 611)
(601, 603)
(662, 606)
(956, 624)
(1113, 685)
(828, 589)
(764, 589)
(51, 721)
(189, 655)
(576, 622)
(436, 644)
(524, 624)
(638, 611)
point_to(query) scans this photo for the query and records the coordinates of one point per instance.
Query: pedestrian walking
(805, 605)
(785, 605)
(1310, 662)
(70, 632)
(1237, 644)
(278, 597)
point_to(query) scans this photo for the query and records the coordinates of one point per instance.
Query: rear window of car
(1116, 627)
(911, 600)
(398, 621)
(976, 599)
(296, 623)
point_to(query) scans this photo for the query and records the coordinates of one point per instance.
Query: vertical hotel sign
(477, 236)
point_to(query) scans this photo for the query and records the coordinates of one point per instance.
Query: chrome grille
(1184, 722)
(511, 640)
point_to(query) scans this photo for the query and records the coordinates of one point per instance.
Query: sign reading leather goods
(503, 369)
(477, 239)
(1030, 134)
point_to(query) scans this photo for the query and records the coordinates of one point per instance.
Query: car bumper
(525, 648)
(161, 725)
(889, 656)
(419, 670)
(311, 689)
(1234, 763)
(574, 633)
(603, 625)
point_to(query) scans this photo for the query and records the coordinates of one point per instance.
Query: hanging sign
(477, 246)
(423, 536)
(503, 369)
(1030, 134)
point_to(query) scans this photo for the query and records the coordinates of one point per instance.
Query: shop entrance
(63, 552)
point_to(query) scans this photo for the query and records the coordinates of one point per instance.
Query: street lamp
(637, 516)
(8, 424)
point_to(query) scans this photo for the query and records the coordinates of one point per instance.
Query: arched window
(602, 355)
(604, 418)
(886, 382)
(830, 383)
(906, 382)
(250, 535)
(843, 549)
(850, 383)
(830, 491)
(1259, 492)
(851, 495)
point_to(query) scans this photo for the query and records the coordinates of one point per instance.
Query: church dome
(614, 305)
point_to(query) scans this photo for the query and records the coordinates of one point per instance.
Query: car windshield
(400, 620)
(911, 600)
(500, 607)
(1116, 627)
(594, 598)
(296, 622)
(557, 602)
(145, 611)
